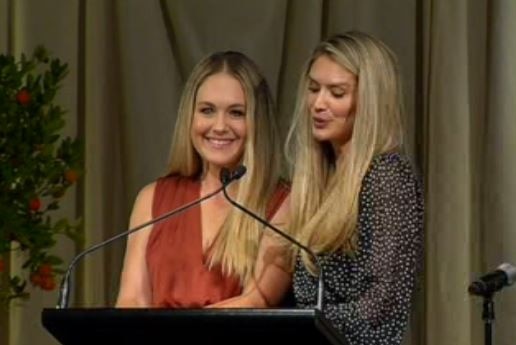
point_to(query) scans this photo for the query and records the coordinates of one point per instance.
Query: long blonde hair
(325, 191)
(236, 246)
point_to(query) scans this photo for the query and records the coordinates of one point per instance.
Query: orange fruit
(71, 176)
(45, 270)
(35, 204)
(23, 97)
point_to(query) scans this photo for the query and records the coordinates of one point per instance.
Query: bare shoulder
(142, 209)
(146, 194)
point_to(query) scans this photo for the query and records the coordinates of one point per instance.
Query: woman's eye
(237, 113)
(206, 110)
(313, 89)
(338, 93)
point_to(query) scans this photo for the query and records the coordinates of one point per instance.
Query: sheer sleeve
(391, 242)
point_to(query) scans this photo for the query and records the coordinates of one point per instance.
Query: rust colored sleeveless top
(175, 260)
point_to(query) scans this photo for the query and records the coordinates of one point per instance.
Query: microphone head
(239, 172)
(476, 288)
(225, 176)
(504, 275)
(510, 271)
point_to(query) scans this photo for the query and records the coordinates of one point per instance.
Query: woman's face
(219, 127)
(332, 99)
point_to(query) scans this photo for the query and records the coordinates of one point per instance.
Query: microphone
(226, 175)
(65, 282)
(504, 275)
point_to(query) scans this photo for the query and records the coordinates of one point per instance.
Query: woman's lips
(219, 142)
(320, 122)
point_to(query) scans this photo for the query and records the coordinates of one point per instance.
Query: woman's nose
(220, 122)
(320, 101)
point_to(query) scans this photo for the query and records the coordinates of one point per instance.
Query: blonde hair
(236, 246)
(325, 191)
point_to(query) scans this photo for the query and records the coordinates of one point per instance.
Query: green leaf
(54, 260)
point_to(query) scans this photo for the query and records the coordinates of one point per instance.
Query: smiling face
(331, 100)
(219, 127)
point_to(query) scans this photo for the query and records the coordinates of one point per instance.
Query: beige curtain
(469, 100)
(128, 61)
(498, 236)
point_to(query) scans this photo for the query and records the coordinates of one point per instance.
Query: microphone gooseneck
(225, 176)
(64, 292)
(237, 174)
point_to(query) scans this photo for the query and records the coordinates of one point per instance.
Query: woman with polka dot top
(355, 199)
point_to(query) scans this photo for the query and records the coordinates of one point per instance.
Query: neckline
(203, 252)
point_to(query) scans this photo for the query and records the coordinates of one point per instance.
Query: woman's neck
(211, 178)
(341, 151)
(210, 182)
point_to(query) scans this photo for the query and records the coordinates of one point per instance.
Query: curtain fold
(451, 209)
(460, 56)
(104, 192)
(498, 238)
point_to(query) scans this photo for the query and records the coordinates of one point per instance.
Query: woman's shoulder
(174, 181)
(146, 193)
(392, 162)
(391, 168)
(163, 184)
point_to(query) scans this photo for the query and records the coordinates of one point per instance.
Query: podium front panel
(94, 326)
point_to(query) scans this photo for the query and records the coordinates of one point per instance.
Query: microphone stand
(486, 286)
(65, 282)
(239, 172)
(488, 316)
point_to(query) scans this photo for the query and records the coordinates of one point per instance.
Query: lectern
(96, 326)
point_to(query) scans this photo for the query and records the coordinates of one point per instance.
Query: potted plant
(37, 166)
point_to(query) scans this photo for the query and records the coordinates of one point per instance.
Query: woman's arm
(135, 287)
(272, 277)
(392, 213)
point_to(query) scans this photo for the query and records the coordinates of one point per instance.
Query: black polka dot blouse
(367, 297)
